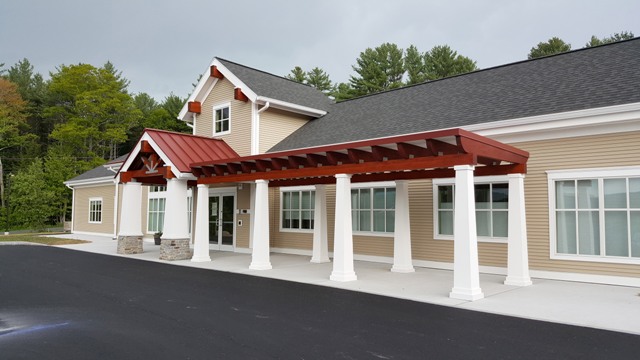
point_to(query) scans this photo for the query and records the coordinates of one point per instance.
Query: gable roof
(582, 79)
(277, 87)
(183, 149)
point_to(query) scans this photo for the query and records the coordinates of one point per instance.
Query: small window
(298, 209)
(221, 120)
(95, 211)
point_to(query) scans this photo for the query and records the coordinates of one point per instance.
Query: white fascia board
(165, 158)
(90, 182)
(304, 110)
(603, 120)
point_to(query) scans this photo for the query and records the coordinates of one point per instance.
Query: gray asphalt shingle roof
(588, 78)
(95, 173)
(279, 88)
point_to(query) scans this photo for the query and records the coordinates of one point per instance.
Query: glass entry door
(221, 221)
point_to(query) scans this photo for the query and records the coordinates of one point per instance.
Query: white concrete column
(260, 254)
(466, 276)
(176, 219)
(343, 234)
(252, 212)
(402, 233)
(320, 242)
(131, 211)
(201, 235)
(518, 254)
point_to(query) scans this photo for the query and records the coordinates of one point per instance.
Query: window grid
(491, 203)
(598, 216)
(221, 120)
(298, 209)
(156, 215)
(373, 210)
(95, 211)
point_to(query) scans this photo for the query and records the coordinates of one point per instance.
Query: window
(221, 119)
(95, 211)
(155, 216)
(373, 209)
(492, 208)
(297, 209)
(595, 214)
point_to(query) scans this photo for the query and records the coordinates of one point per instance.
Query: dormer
(250, 109)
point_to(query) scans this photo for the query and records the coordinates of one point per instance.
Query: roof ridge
(491, 68)
(265, 72)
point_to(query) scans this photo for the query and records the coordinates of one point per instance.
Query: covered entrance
(452, 153)
(222, 205)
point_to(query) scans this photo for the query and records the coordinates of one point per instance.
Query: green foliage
(552, 46)
(378, 70)
(91, 110)
(441, 62)
(297, 74)
(414, 66)
(58, 168)
(33, 90)
(32, 201)
(319, 79)
(342, 91)
(15, 140)
(595, 41)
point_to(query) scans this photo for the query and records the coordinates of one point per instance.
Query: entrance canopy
(415, 156)
(160, 155)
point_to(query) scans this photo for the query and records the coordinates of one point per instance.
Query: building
(527, 169)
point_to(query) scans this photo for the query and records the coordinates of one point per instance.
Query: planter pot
(157, 240)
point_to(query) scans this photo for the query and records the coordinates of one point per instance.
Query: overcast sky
(162, 46)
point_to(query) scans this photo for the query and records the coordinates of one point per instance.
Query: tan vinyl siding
(239, 137)
(276, 124)
(577, 153)
(143, 209)
(81, 209)
(243, 201)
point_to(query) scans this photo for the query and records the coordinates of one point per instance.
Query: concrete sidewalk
(607, 307)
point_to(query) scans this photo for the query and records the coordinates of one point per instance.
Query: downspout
(257, 127)
(115, 208)
(193, 126)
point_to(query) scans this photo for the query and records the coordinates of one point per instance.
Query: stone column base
(128, 245)
(175, 249)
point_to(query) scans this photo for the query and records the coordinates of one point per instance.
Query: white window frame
(294, 189)
(156, 192)
(92, 211)
(582, 174)
(478, 180)
(371, 186)
(219, 107)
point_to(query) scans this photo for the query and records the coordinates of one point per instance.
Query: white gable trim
(206, 84)
(165, 158)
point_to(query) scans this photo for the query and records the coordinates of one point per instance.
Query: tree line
(387, 66)
(52, 130)
(83, 116)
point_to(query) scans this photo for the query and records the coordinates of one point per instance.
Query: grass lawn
(35, 238)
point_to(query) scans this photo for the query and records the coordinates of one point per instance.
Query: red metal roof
(184, 149)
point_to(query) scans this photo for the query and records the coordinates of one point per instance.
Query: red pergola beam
(368, 167)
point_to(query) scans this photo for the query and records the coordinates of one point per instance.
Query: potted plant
(157, 237)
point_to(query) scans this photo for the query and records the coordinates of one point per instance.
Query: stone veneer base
(128, 245)
(175, 249)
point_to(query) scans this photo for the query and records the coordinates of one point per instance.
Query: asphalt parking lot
(64, 304)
